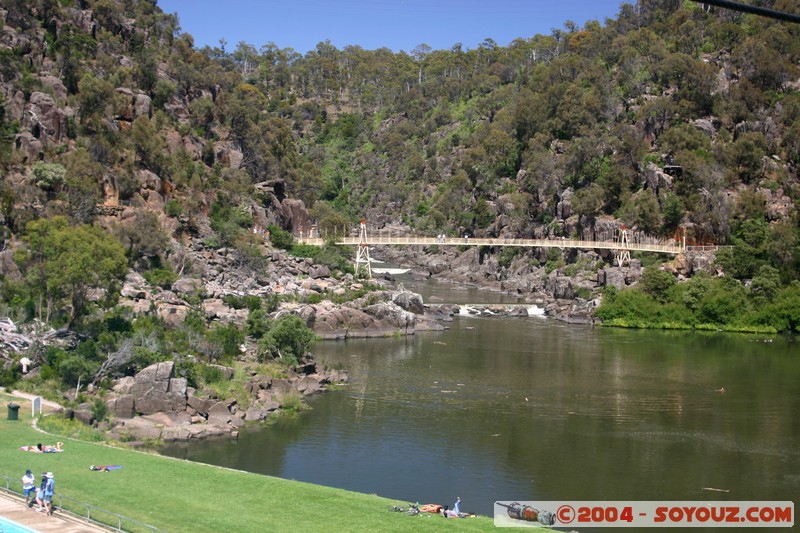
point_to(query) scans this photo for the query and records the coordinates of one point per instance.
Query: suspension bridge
(622, 244)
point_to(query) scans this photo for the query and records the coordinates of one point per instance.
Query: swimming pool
(9, 526)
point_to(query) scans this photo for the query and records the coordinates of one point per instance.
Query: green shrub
(173, 209)
(507, 255)
(289, 339)
(74, 368)
(293, 402)
(257, 324)
(144, 357)
(267, 349)
(629, 305)
(331, 255)
(160, 277)
(211, 374)
(271, 302)
(555, 260)
(8, 377)
(656, 283)
(48, 176)
(99, 409)
(280, 238)
(584, 292)
(187, 367)
(723, 305)
(248, 301)
(314, 298)
(571, 270)
(228, 337)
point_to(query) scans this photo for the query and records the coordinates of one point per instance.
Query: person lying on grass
(104, 468)
(39, 448)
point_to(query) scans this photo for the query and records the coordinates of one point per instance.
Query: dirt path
(30, 397)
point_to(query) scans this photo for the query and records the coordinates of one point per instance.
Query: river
(535, 409)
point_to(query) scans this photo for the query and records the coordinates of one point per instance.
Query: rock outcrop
(381, 314)
(158, 405)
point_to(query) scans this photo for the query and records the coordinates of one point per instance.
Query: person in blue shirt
(49, 489)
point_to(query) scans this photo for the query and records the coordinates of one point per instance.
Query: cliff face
(527, 140)
(671, 120)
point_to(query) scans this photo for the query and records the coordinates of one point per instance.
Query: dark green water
(533, 409)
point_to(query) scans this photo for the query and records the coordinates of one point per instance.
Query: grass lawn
(176, 495)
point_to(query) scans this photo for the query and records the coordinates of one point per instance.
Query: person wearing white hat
(49, 489)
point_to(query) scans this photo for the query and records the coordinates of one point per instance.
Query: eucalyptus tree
(64, 264)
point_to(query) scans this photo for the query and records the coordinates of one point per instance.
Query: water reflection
(526, 409)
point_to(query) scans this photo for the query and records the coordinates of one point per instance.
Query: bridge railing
(530, 243)
(705, 248)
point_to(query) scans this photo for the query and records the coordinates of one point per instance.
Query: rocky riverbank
(567, 285)
(157, 404)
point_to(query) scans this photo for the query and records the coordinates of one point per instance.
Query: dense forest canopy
(674, 118)
(491, 140)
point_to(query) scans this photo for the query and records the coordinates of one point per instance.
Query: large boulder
(469, 261)
(173, 315)
(58, 89)
(612, 276)
(142, 105)
(30, 147)
(227, 155)
(409, 301)
(138, 428)
(319, 271)
(307, 385)
(656, 179)
(564, 206)
(122, 406)
(256, 412)
(200, 405)
(169, 419)
(561, 287)
(330, 321)
(176, 433)
(389, 314)
(190, 286)
(46, 120)
(281, 387)
(219, 414)
(155, 389)
(294, 215)
(154, 401)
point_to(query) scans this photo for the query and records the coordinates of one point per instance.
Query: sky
(372, 24)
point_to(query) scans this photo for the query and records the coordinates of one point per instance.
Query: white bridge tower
(623, 253)
(362, 252)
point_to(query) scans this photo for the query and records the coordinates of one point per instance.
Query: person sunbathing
(104, 468)
(40, 448)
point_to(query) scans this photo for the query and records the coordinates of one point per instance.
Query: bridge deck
(529, 243)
